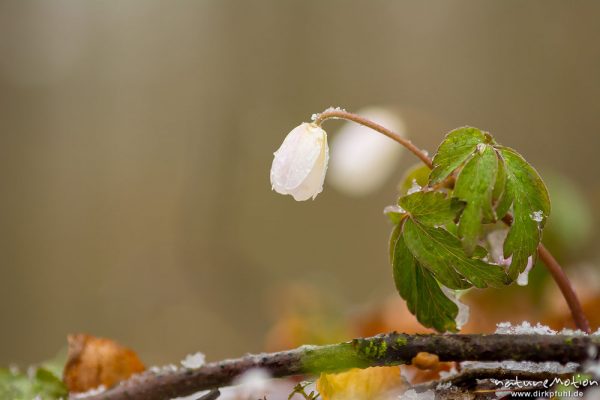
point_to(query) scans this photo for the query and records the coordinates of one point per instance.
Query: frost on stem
(316, 116)
(526, 328)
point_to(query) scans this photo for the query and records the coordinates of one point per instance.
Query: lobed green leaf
(443, 254)
(474, 185)
(457, 147)
(530, 201)
(500, 198)
(422, 293)
(431, 208)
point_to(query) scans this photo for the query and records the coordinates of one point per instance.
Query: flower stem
(340, 114)
(552, 265)
(565, 287)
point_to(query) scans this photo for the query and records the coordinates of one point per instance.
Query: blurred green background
(136, 139)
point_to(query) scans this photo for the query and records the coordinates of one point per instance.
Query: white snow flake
(537, 216)
(195, 360)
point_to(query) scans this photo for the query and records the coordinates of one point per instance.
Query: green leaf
(474, 185)
(418, 174)
(531, 207)
(16, 385)
(456, 148)
(394, 214)
(500, 198)
(443, 254)
(431, 208)
(396, 232)
(417, 286)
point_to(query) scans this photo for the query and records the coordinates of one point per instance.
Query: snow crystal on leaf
(195, 360)
(394, 209)
(537, 216)
(414, 188)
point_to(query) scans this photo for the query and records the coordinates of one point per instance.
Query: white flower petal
(300, 164)
(313, 184)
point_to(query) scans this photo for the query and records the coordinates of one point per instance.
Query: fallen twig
(389, 349)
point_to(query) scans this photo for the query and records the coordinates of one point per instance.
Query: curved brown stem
(340, 114)
(549, 261)
(565, 287)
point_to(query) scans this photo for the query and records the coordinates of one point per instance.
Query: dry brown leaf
(96, 361)
(376, 383)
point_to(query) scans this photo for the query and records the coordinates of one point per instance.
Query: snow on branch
(382, 350)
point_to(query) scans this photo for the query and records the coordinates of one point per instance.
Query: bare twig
(389, 349)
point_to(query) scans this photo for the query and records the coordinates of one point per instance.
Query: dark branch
(389, 349)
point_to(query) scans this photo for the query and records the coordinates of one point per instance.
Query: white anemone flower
(300, 163)
(362, 161)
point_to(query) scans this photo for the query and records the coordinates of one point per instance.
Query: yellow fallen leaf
(376, 383)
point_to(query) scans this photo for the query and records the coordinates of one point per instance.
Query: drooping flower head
(300, 164)
(362, 161)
